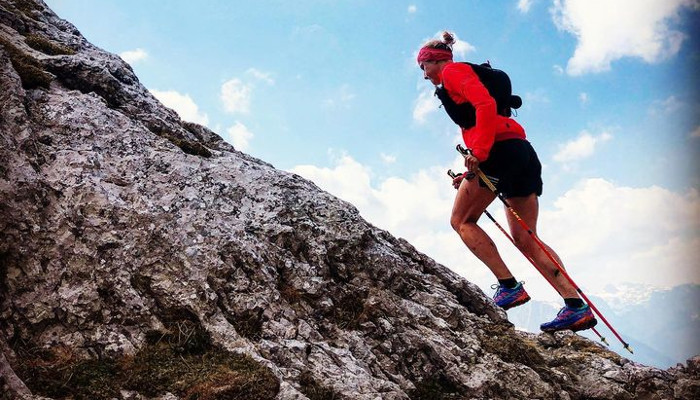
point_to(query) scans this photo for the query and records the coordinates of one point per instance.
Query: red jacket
(463, 85)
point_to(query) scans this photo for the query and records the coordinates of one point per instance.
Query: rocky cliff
(143, 257)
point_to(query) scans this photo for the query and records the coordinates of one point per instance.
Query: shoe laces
(566, 309)
(497, 286)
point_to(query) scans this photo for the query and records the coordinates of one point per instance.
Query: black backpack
(496, 82)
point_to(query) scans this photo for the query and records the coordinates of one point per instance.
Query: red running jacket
(463, 85)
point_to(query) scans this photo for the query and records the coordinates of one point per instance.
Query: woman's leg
(528, 209)
(470, 203)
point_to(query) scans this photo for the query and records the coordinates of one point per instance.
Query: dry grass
(180, 360)
(29, 70)
(46, 46)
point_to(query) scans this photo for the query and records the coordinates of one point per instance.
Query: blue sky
(330, 90)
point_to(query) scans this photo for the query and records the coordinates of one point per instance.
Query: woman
(500, 150)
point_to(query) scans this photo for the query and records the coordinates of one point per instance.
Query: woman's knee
(523, 242)
(456, 223)
(459, 221)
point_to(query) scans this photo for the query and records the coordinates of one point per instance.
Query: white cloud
(666, 107)
(388, 158)
(342, 98)
(643, 235)
(239, 136)
(558, 69)
(235, 95)
(582, 147)
(134, 56)
(183, 105)
(524, 5)
(424, 105)
(608, 31)
(461, 48)
(622, 234)
(260, 75)
(532, 99)
(696, 132)
(412, 9)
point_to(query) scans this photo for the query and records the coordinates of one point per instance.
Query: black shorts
(514, 168)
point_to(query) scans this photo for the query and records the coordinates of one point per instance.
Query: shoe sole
(575, 327)
(583, 325)
(517, 303)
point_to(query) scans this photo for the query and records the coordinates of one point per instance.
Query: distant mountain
(622, 296)
(663, 326)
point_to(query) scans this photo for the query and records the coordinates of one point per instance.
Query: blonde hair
(448, 39)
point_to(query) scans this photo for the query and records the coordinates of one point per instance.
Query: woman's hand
(471, 162)
(456, 181)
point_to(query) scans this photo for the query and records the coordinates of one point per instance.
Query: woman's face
(431, 71)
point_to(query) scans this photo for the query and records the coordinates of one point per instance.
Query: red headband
(433, 54)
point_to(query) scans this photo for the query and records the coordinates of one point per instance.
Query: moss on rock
(179, 360)
(46, 46)
(28, 68)
(501, 340)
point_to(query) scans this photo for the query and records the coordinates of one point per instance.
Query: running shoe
(508, 298)
(575, 319)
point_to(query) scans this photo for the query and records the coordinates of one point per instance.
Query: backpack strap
(496, 82)
(463, 114)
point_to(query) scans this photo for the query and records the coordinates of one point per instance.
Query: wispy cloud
(412, 9)
(424, 105)
(261, 76)
(632, 28)
(134, 56)
(235, 94)
(341, 98)
(524, 5)
(666, 106)
(239, 136)
(387, 158)
(580, 148)
(182, 104)
(538, 96)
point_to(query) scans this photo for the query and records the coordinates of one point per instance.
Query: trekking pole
(534, 264)
(465, 152)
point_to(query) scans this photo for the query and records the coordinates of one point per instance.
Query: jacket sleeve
(467, 85)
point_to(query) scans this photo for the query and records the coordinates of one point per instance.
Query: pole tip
(602, 339)
(627, 346)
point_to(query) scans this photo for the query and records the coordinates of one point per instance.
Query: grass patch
(582, 344)
(46, 46)
(502, 341)
(28, 68)
(180, 360)
(249, 324)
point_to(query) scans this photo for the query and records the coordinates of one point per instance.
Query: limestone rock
(144, 257)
